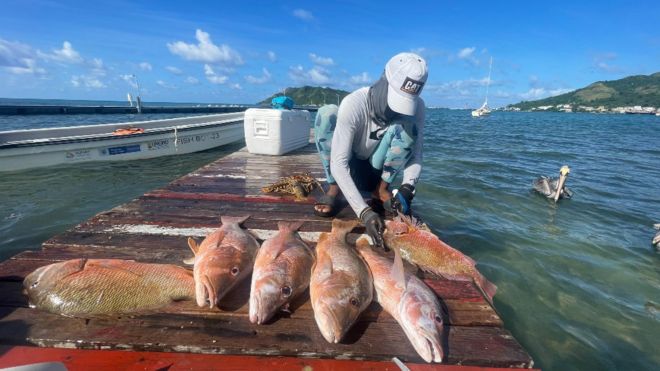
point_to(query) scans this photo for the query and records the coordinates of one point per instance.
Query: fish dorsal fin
(290, 226)
(340, 228)
(322, 265)
(221, 237)
(412, 222)
(397, 273)
(193, 245)
(233, 219)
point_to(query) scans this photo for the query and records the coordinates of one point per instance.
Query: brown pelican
(656, 239)
(554, 188)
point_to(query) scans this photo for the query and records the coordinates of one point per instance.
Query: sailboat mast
(490, 68)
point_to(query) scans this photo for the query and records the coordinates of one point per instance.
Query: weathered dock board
(154, 228)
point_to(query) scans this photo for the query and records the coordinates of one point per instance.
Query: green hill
(310, 95)
(640, 90)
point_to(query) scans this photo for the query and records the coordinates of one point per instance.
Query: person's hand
(402, 199)
(374, 225)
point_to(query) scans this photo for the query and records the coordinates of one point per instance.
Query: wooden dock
(154, 228)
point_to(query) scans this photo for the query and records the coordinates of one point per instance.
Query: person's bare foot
(333, 191)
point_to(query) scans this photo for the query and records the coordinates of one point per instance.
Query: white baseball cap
(406, 75)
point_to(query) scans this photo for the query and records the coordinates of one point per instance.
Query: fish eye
(286, 291)
(355, 302)
(234, 271)
(438, 319)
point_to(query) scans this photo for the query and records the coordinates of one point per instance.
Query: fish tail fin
(488, 288)
(322, 237)
(397, 273)
(233, 219)
(341, 228)
(290, 226)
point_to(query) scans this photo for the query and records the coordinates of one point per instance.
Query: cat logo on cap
(411, 86)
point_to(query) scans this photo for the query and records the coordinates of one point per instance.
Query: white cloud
(66, 55)
(174, 70)
(19, 58)
(317, 75)
(214, 77)
(165, 85)
(303, 14)
(361, 79)
(146, 66)
(321, 61)
(93, 78)
(236, 86)
(604, 63)
(191, 80)
(259, 80)
(205, 50)
(272, 56)
(130, 79)
(87, 81)
(466, 53)
(97, 67)
(30, 67)
(539, 93)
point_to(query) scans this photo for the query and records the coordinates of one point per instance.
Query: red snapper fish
(222, 260)
(341, 286)
(281, 272)
(412, 304)
(99, 287)
(428, 252)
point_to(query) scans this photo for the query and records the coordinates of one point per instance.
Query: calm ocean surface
(579, 282)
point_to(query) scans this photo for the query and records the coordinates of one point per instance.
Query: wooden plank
(109, 360)
(484, 346)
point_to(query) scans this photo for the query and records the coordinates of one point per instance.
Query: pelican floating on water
(656, 239)
(554, 188)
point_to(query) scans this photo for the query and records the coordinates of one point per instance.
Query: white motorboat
(484, 110)
(25, 149)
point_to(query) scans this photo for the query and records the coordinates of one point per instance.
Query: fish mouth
(435, 350)
(427, 345)
(329, 326)
(255, 310)
(205, 292)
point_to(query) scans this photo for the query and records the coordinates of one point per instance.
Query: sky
(244, 51)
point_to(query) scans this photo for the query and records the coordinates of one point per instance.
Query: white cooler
(275, 131)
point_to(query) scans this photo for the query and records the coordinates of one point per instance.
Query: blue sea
(579, 282)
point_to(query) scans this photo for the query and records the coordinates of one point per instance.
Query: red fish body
(431, 254)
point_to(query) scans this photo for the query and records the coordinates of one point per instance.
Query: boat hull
(478, 113)
(164, 141)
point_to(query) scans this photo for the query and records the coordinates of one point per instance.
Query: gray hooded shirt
(351, 138)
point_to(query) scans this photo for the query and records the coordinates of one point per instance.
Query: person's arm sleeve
(348, 121)
(413, 169)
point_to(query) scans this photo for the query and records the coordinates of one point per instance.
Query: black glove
(402, 199)
(374, 225)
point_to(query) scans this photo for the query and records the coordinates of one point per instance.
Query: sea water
(579, 282)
